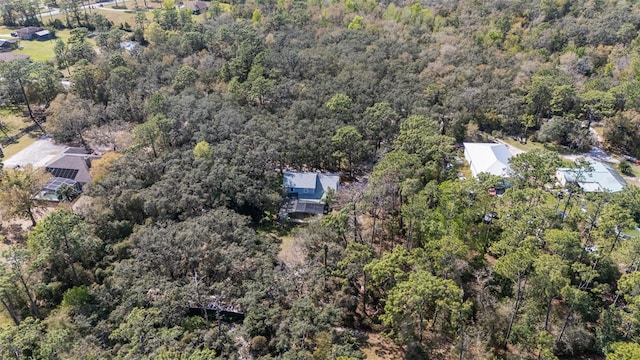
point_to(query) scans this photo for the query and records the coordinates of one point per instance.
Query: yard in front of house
(38, 50)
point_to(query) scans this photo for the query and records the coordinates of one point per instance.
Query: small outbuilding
(28, 33)
(43, 35)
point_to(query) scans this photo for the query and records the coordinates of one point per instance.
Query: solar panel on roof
(63, 173)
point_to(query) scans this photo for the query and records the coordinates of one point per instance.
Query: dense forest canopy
(206, 113)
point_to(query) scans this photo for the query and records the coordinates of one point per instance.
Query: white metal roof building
(601, 178)
(487, 158)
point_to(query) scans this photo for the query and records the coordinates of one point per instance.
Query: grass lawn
(22, 143)
(632, 232)
(531, 145)
(39, 50)
(13, 119)
(599, 130)
(5, 320)
(635, 169)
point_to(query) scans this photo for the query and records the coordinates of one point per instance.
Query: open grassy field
(38, 50)
(116, 16)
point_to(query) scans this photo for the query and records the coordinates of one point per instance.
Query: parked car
(14, 34)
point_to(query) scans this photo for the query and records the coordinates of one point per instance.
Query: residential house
(307, 193)
(129, 45)
(8, 45)
(70, 168)
(600, 177)
(27, 33)
(488, 158)
(197, 7)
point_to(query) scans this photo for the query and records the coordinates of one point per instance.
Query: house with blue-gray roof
(600, 177)
(307, 192)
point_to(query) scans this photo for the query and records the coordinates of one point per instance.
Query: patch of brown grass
(379, 347)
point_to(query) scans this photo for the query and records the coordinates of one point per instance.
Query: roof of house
(72, 164)
(43, 32)
(329, 181)
(29, 30)
(8, 41)
(197, 5)
(488, 158)
(601, 178)
(300, 180)
(129, 45)
(7, 56)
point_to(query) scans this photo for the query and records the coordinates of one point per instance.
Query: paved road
(54, 11)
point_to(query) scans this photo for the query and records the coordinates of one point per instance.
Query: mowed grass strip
(13, 119)
(22, 143)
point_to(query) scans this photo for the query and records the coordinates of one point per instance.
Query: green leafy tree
(202, 150)
(70, 117)
(139, 331)
(534, 168)
(619, 132)
(380, 123)
(17, 260)
(62, 55)
(551, 275)
(78, 48)
(186, 77)
(357, 23)
(549, 91)
(392, 268)
(516, 267)
(258, 85)
(624, 351)
(421, 136)
(22, 341)
(341, 105)
(62, 242)
(351, 268)
(84, 80)
(422, 302)
(17, 190)
(348, 145)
